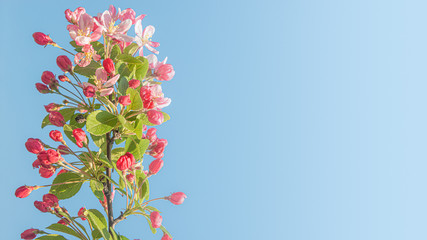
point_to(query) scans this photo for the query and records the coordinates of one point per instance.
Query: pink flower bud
(42, 88)
(130, 177)
(134, 83)
(47, 77)
(155, 117)
(155, 166)
(151, 135)
(63, 78)
(63, 150)
(64, 222)
(158, 148)
(46, 172)
(89, 91)
(52, 107)
(56, 136)
(42, 39)
(125, 162)
(166, 237)
(73, 17)
(43, 157)
(42, 206)
(64, 63)
(62, 171)
(50, 199)
(81, 213)
(80, 137)
(29, 234)
(109, 66)
(34, 145)
(53, 156)
(24, 191)
(124, 100)
(36, 163)
(156, 219)
(56, 119)
(177, 198)
(164, 73)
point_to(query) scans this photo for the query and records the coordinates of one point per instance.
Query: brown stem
(119, 219)
(107, 185)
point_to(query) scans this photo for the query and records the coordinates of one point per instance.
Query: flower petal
(112, 81)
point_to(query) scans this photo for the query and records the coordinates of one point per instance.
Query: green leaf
(65, 191)
(121, 237)
(64, 229)
(97, 188)
(138, 128)
(74, 123)
(116, 153)
(101, 122)
(141, 71)
(128, 59)
(125, 123)
(98, 221)
(152, 209)
(135, 98)
(115, 51)
(123, 85)
(68, 130)
(96, 234)
(145, 121)
(99, 140)
(51, 237)
(131, 49)
(165, 231)
(67, 113)
(145, 190)
(89, 70)
(136, 146)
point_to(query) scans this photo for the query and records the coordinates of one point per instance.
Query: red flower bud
(56, 119)
(29, 234)
(64, 63)
(155, 117)
(53, 156)
(125, 162)
(124, 100)
(80, 137)
(43, 158)
(109, 66)
(177, 198)
(56, 136)
(47, 77)
(54, 84)
(47, 172)
(50, 199)
(130, 177)
(156, 219)
(63, 150)
(134, 83)
(151, 135)
(42, 88)
(89, 91)
(36, 163)
(155, 166)
(62, 171)
(81, 213)
(166, 237)
(42, 39)
(52, 107)
(34, 145)
(64, 222)
(24, 191)
(42, 206)
(63, 78)
(158, 148)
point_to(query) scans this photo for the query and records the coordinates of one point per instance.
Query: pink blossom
(158, 148)
(56, 119)
(106, 25)
(155, 117)
(47, 172)
(151, 135)
(177, 198)
(130, 14)
(162, 71)
(134, 83)
(82, 33)
(29, 234)
(156, 219)
(153, 94)
(155, 166)
(74, 17)
(64, 63)
(166, 237)
(23, 191)
(84, 58)
(34, 145)
(143, 38)
(124, 100)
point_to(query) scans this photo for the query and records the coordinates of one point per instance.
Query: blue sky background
(294, 120)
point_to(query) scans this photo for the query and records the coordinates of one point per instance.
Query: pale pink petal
(148, 32)
(123, 37)
(106, 92)
(152, 61)
(124, 26)
(101, 75)
(106, 19)
(82, 40)
(162, 102)
(97, 57)
(138, 28)
(154, 44)
(85, 22)
(95, 36)
(140, 17)
(151, 49)
(112, 81)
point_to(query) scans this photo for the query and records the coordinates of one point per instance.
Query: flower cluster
(112, 103)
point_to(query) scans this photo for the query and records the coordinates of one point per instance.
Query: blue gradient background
(290, 119)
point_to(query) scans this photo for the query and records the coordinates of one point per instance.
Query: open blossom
(177, 198)
(80, 137)
(158, 148)
(24, 191)
(34, 145)
(42, 39)
(64, 63)
(106, 24)
(125, 162)
(74, 17)
(130, 14)
(84, 58)
(156, 219)
(143, 38)
(82, 32)
(153, 97)
(104, 85)
(56, 119)
(162, 71)
(29, 234)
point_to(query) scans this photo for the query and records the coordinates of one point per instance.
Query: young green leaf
(51, 237)
(97, 188)
(136, 146)
(64, 229)
(100, 122)
(72, 184)
(98, 221)
(135, 99)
